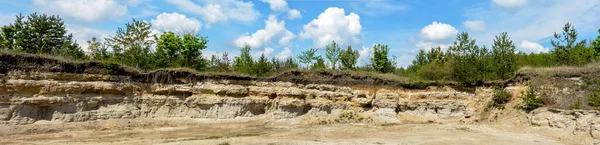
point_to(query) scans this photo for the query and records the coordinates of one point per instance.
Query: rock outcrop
(27, 97)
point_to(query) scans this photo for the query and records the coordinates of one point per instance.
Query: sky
(284, 28)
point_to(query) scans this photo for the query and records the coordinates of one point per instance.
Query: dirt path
(186, 131)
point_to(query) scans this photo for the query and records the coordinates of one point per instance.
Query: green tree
(380, 61)
(348, 58)
(308, 57)
(191, 51)
(332, 53)
(40, 34)
(262, 67)
(131, 46)
(98, 50)
(319, 63)
(168, 50)
(564, 43)
(464, 55)
(244, 62)
(596, 43)
(503, 55)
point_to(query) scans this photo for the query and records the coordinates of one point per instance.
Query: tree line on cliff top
(135, 45)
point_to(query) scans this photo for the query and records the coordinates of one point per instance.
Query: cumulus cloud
(176, 22)
(267, 52)
(82, 10)
(365, 54)
(273, 29)
(82, 34)
(528, 47)
(285, 54)
(219, 11)
(333, 24)
(429, 45)
(282, 6)
(536, 21)
(475, 25)
(438, 31)
(510, 3)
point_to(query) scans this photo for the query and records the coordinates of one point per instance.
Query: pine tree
(131, 45)
(564, 43)
(348, 58)
(503, 55)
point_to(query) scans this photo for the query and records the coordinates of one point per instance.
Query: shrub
(594, 98)
(577, 104)
(500, 98)
(531, 101)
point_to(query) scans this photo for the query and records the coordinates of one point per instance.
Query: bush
(594, 98)
(500, 98)
(531, 101)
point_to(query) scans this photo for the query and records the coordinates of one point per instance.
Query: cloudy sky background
(280, 28)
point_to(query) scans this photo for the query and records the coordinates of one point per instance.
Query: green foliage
(98, 50)
(191, 51)
(131, 46)
(577, 104)
(594, 98)
(504, 58)
(319, 63)
(380, 61)
(564, 44)
(465, 55)
(168, 49)
(500, 98)
(219, 64)
(41, 34)
(332, 53)
(530, 100)
(348, 58)
(308, 57)
(596, 43)
(244, 62)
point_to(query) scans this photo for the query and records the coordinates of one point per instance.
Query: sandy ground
(194, 131)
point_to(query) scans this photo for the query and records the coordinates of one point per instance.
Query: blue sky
(280, 28)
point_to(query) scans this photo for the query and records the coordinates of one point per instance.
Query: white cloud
(332, 25)
(219, 11)
(282, 6)
(365, 54)
(438, 31)
(82, 34)
(136, 2)
(267, 52)
(429, 45)
(285, 54)
(536, 21)
(510, 3)
(528, 47)
(294, 14)
(274, 29)
(476, 25)
(176, 22)
(83, 10)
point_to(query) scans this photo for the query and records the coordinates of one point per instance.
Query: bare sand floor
(190, 131)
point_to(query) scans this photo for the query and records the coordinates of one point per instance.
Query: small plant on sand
(531, 101)
(224, 143)
(577, 104)
(500, 98)
(594, 98)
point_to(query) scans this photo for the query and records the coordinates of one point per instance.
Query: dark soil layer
(35, 63)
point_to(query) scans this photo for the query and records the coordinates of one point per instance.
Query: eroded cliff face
(27, 97)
